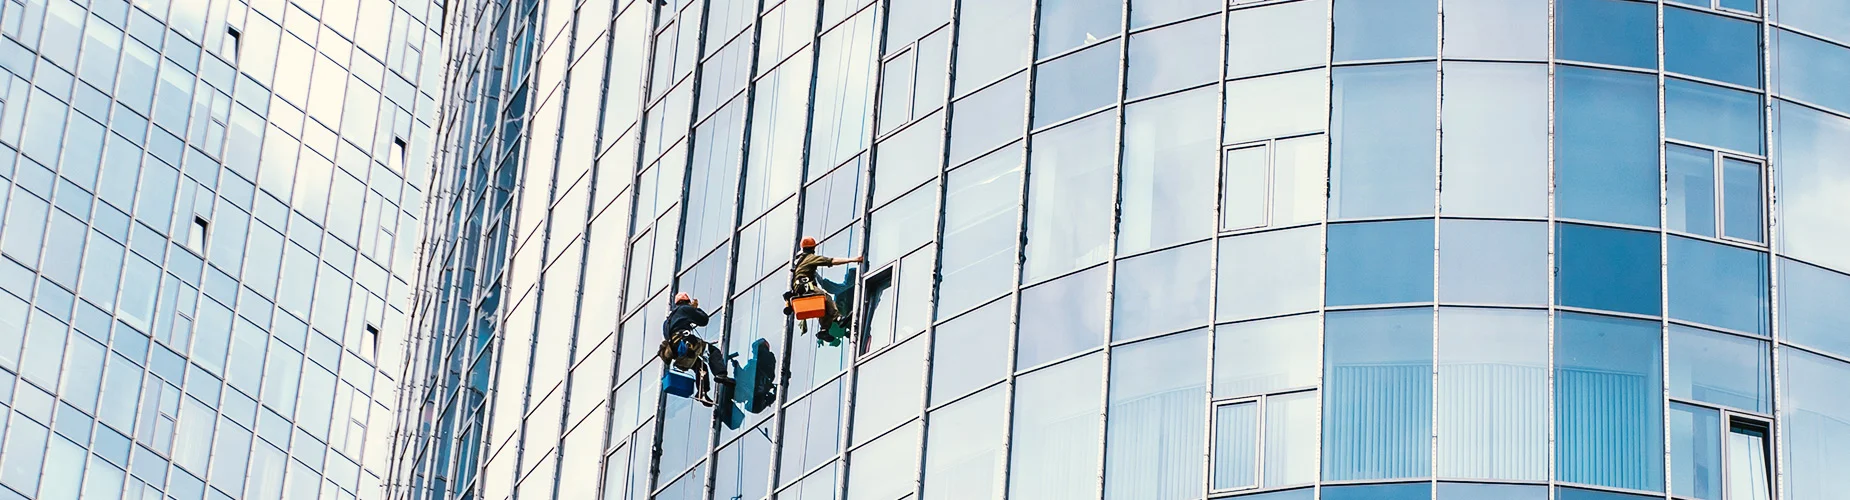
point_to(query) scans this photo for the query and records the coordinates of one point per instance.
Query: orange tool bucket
(810, 307)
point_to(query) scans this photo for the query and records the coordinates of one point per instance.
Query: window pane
(1503, 29)
(1172, 57)
(1719, 285)
(1711, 46)
(1404, 491)
(1157, 384)
(1077, 83)
(993, 41)
(963, 454)
(1608, 403)
(1168, 174)
(1476, 491)
(1741, 195)
(1493, 262)
(1811, 70)
(1068, 317)
(1069, 197)
(1162, 292)
(1267, 355)
(1604, 268)
(1748, 477)
(970, 351)
(1291, 441)
(1495, 150)
(1054, 446)
(1149, 12)
(1817, 425)
(1277, 38)
(884, 468)
(1382, 131)
(1276, 106)
(987, 119)
(1493, 394)
(888, 389)
(1695, 452)
(1720, 368)
(1712, 115)
(1243, 201)
(1813, 156)
(1269, 274)
(1378, 391)
(895, 228)
(1300, 171)
(907, 159)
(1617, 32)
(1380, 263)
(1826, 17)
(1606, 144)
(1385, 29)
(1066, 24)
(1690, 185)
(1579, 494)
(1236, 446)
(1811, 308)
(980, 221)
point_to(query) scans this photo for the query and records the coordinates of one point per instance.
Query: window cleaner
(683, 350)
(811, 297)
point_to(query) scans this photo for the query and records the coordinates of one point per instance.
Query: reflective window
(1825, 17)
(1493, 262)
(970, 351)
(1719, 368)
(1378, 394)
(993, 40)
(888, 390)
(1814, 185)
(894, 229)
(1606, 145)
(1689, 175)
(963, 453)
(844, 94)
(1162, 292)
(1385, 29)
(1069, 197)
(1609, 413)
(1167, 182)
(1712, 46)
(1811, 308)
(1617, 32)
(1492, 394)
(1742, 212)
(1380, 263)
(1278, 37)
(1494, 157)
(1054, 443)
(1290, 435)
(1604, 268)
(1157, 384)
(1269, 274)
(1817, 420)
(812, 432)
(884, 468)
(1479, 491)
(1171, 58)
(1267, 355)
(1748, 461)
(1811, 70)
(1403, 491)
(1382, 131)
(1500, 29)
(1713, 115)
(980, 221)
(1721, 285)
(1580, 494)
(987, 119)
(1074, 84)
(1149, 12)
(1066, 24)
(1236, 446)
(906, 159)
(1068, 317)
(1277, 106)
(1278, 183)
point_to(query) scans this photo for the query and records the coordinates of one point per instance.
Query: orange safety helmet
(809, 242)
(682, 298)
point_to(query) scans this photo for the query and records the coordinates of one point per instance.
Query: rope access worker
(804, 281)
(684, 350)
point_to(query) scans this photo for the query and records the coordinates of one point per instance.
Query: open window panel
(897, 301)
(1719, 454)
(1715, 194)
(1750, 455)
(196, 235)
(369, 343)
(1265, 443)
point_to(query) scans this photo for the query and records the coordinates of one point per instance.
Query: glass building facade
(1144, 249)
(204, 286)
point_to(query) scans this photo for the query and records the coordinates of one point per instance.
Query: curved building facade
(1142, 249)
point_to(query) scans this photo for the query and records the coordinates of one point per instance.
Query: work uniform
(805, 280)
(684, 350)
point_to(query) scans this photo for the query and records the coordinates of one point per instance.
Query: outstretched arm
(837, 262)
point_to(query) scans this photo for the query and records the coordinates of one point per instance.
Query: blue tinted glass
(1055, 409)
(1277, 37)
(987, 119)
(994, 40)
(1407, 491)
(1811, 70)
(1236, 446)
(1830, 18)
(1608, 402)
(1162, 292)
(1380, 263)
(1695, 452)
(1504, 29)
(1618, 32)
(1066, 24)
(1381, 140)
(1077, 83)
(1378, 394)
(1167, 182)
(1689, 182)
(1068, 317)
(970, 351)
(1157, 384)
(1719, 285)
(1811, 308)
(1742, 213)
(1579, 494)
(1303, 494)
(1267, 355)
(1149, 12)
(1268, 274)
(1816, 413)
(1813, 158)
(1172, 57)
(1712, 47)
(1713, 115)
(1493, 262)
(1606, 145)
(980, 230)
(1604, 268)
(1495, 152)
(1069, 197)
(1721, 369)
(1493, 375)
(1385, 29)
(964, 457)
(1472, 491)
